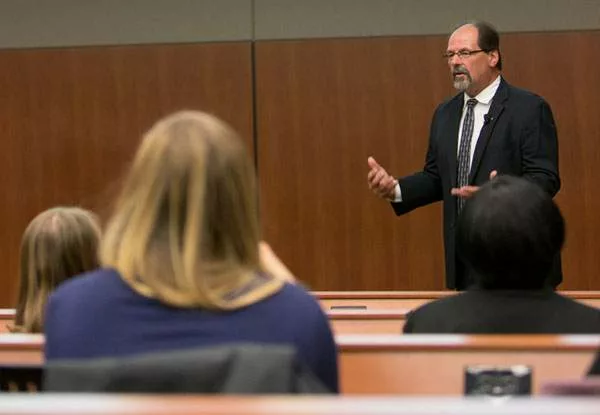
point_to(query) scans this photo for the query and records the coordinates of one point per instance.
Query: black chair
(233, 369)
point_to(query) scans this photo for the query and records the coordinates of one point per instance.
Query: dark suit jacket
(504, 312)
(518, 139)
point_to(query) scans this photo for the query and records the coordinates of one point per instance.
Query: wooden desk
(343, 321)
(434, 364)
(377, 300)
(21, 348)
(385, 321)
(7, 316)
(386, 310)
(413, 364)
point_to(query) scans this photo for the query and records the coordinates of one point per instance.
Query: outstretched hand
(380, 182)
(468, 191)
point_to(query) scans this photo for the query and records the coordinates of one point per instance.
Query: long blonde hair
(58, 244)
(185, 226)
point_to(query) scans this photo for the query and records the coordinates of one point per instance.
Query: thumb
(372, 163)
(493, 174)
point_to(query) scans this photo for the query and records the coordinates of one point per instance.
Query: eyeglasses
(462, 54)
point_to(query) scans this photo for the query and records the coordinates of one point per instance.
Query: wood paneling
(370, 364)
(336, 102)
(563, 68)
(324, 106)
(71, 119)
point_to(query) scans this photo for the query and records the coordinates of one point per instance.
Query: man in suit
(488, 128)
(508, 235)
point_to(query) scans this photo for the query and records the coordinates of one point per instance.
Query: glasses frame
(463, 53)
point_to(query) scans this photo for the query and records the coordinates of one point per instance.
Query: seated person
(58, 244)
(183, 263)
(508, 234)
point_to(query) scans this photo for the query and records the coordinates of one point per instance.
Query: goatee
(463, 82)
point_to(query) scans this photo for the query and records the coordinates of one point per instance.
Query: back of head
(488, 39)
(59, 243)
(185, 227)
(510, 233)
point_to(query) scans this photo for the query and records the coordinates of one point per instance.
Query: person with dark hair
(508, 235)
(488, 128)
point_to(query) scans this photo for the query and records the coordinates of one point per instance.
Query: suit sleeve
(539, 149)
(424, 187)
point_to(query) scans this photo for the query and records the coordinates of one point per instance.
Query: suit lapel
(454, 114)
(486, 131)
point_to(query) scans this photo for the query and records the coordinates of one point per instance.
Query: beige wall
(276, 19)
(51, 23)
(54, 23)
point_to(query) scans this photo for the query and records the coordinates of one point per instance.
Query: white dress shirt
(484, 101)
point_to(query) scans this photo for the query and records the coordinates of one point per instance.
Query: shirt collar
(485, 96)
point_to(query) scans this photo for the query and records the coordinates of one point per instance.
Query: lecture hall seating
(416, 364)
(377, 300)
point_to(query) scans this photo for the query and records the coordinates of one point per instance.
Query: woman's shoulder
(294, 300)
(298, 294)
(96, 281)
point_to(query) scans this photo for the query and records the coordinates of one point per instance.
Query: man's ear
(493, 58)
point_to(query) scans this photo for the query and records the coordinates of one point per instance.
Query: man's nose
(454, 61)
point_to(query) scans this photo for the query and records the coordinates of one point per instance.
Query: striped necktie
(464, 153)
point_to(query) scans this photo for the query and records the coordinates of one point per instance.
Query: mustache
(460, 70)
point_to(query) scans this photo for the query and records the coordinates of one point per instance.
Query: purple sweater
(98, 315)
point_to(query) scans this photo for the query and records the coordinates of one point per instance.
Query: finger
(389, 183)
(460, 191)
(379, 177)
(386, 186)
(468, 191)
(493, 174)
(375, 178)
(371, 174)
(372, 163)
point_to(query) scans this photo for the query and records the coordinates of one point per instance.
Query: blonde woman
(184, 265)
(58, 244)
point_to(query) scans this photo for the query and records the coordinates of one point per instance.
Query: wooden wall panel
(324, 106)
(71, 119)
(563, 68)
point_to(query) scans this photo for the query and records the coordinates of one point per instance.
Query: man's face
(474, 72)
